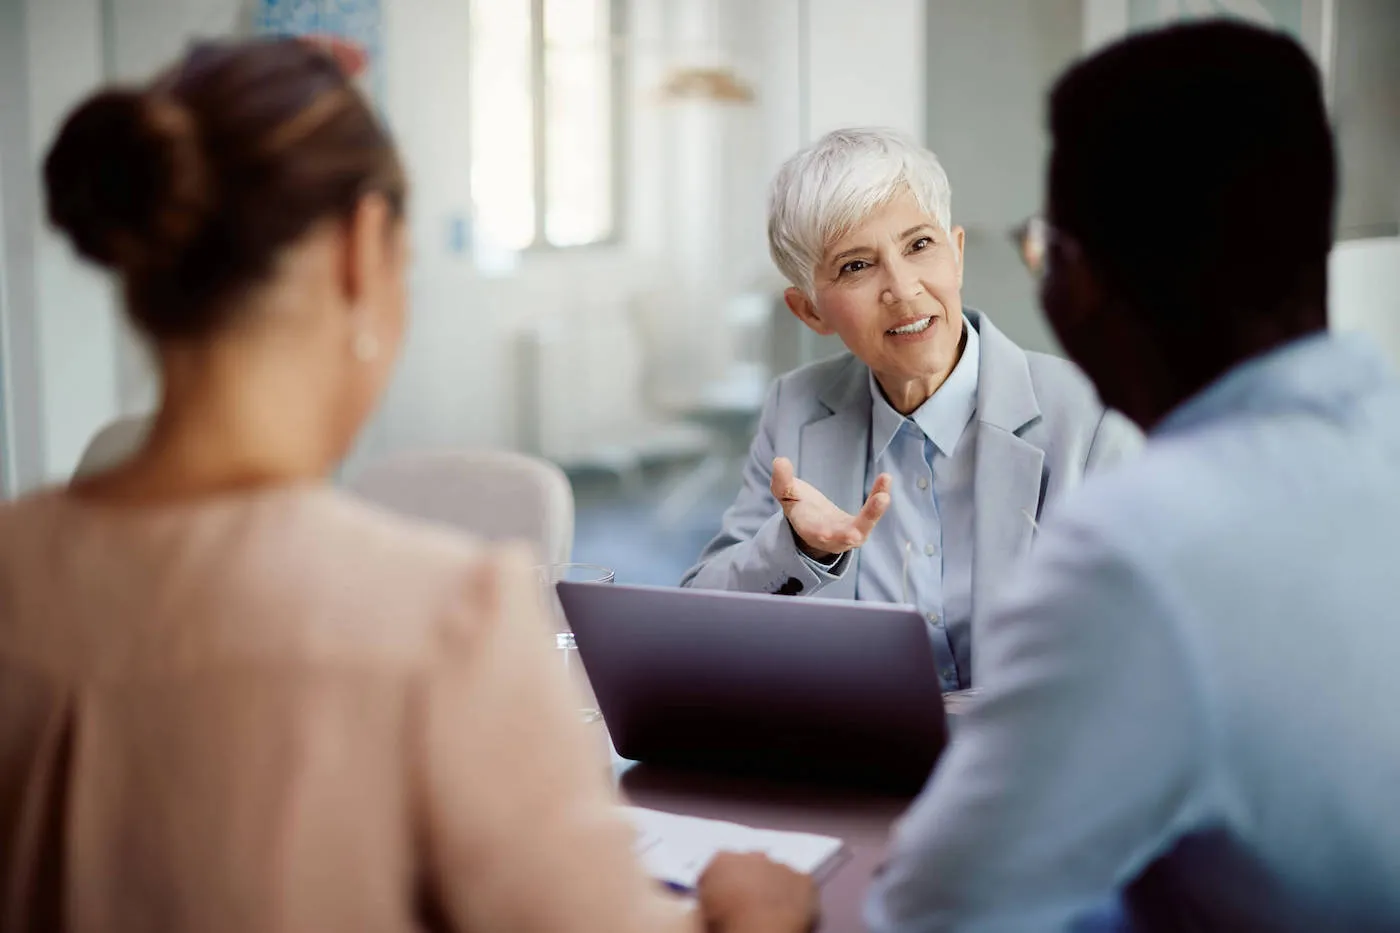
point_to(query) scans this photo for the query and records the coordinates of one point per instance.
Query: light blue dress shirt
(921, 550)
(1190, 690)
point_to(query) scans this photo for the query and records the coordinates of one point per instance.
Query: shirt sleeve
(1078, 764)
(516, 811)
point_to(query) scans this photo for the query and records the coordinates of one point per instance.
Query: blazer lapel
(1005, 498)
(832, 452)
(1009, 469)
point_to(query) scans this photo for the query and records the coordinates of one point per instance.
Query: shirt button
(930, 550)
(933, 617)
(923, 482)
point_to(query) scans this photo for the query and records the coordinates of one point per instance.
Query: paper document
(676, 849)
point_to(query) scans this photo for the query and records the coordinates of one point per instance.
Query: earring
(366, 346)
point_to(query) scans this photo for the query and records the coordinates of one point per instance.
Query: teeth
(914, 328)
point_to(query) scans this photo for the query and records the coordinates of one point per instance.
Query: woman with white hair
(926, 452)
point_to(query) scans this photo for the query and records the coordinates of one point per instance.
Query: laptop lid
(804, 687)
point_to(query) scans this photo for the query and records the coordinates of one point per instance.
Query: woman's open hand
(823, 530)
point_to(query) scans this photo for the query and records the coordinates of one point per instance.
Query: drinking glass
(550, 576)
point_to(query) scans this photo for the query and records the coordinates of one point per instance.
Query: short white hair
(830, 187)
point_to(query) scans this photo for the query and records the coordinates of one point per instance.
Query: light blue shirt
(921, 550)
(1190, 691)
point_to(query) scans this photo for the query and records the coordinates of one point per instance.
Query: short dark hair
(1195, 166)
(191, 186)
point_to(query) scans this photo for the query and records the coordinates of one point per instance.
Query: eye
(854, 266)
(922, 243)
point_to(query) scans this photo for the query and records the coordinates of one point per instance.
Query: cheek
(851, 310)
(942, 282)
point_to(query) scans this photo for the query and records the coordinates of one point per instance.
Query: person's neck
(906, 395)
(224, 426)
(1162, 384)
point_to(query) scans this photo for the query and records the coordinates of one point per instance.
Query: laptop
(804, 688)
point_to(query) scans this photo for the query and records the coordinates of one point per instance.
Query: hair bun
(127, 179)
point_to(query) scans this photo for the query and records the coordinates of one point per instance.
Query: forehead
(887, 222)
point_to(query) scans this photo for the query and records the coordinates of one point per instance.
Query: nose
(903, 285)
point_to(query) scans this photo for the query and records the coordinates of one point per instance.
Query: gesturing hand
(823, 530)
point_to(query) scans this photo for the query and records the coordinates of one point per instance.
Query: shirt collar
(946, 413)
(1320, 371)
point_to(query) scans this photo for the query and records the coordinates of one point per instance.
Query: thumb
(783, 478)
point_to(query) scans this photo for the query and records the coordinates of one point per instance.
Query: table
(862, 819)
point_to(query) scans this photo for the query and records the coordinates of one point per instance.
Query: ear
(806, 311)
(960, 241)
(368, 243)
(1074, 284)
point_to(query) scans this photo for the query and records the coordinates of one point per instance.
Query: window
(545, 122)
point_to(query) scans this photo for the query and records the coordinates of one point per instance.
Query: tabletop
(861, 818)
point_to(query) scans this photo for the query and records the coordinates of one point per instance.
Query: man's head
(1191, 189)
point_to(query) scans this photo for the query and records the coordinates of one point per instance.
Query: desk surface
(861, 819)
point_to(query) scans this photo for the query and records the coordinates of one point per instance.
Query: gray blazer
(1041, 427)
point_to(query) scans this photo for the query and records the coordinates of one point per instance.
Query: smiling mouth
(913, 327)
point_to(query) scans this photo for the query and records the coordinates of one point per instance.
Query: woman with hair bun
(231, 698)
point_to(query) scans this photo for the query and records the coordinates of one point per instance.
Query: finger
(783, 477)
(882, 483)
(870, 513)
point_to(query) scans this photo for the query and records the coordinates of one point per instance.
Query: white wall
(23, 441)
(989, 66)
(866, 65)
(1366, 110)
(1364, 290)
(77, 328)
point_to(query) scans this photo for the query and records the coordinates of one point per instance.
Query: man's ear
(806, 311)
(1072, 288)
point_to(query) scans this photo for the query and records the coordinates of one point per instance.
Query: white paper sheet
(676, 849)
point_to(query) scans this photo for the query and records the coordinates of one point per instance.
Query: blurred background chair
(113, 444)
(724, 406)
(585, 402)
(489, 493)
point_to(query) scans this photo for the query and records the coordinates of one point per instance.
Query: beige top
(286, 711)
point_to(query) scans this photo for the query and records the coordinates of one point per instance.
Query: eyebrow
(860, 249)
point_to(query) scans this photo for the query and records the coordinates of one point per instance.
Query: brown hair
(191, 186)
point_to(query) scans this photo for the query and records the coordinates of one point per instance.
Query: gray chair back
(113, 444)
(491, 494)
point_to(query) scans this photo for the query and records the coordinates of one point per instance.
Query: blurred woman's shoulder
(301, 574)
(400, 583)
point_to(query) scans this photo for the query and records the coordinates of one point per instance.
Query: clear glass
(578, 99)
(502, 123)
(550, 576)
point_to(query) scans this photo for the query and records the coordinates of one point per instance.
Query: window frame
(619, 117)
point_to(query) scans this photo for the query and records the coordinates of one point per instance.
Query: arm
(1078, 765)
(515, 809)
(755, 550)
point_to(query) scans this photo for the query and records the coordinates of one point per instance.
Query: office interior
(591, 282)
